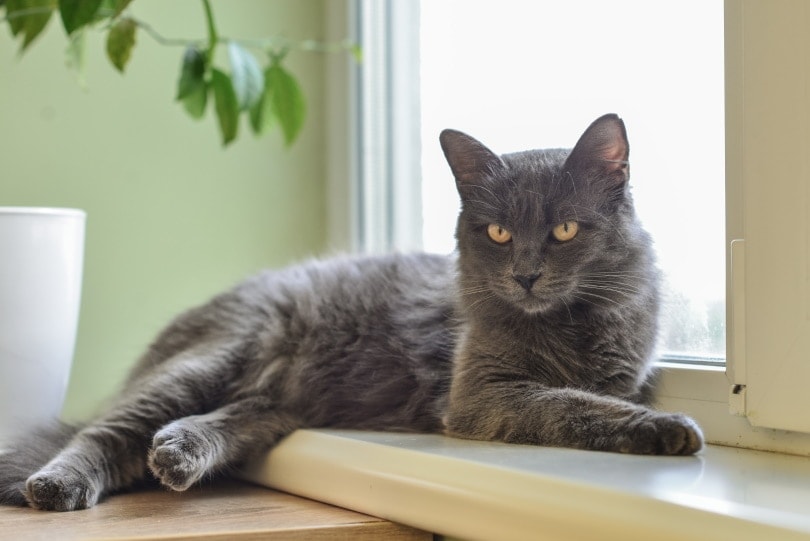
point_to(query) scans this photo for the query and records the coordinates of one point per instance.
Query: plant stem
(261, 44)
(212, 31)
(162, 40)
(281, 43)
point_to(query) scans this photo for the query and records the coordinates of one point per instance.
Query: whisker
(600, 297)
(611, 286)
(482, 300)
(617, 273)
(484, 204)
(568, 308)
(467, 293)
(484, 188)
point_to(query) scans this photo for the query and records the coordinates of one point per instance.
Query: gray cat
(540, 330)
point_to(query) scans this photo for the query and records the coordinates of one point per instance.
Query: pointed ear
(469, 160)
(603, 147)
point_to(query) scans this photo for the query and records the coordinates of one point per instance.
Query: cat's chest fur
(583, 349)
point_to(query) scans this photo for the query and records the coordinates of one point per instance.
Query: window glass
(533, 74)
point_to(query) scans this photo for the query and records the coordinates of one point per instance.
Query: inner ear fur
(604, 147)
(469, 159)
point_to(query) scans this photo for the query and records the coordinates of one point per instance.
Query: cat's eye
(499, 234)
(565, 231)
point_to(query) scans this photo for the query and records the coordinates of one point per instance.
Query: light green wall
(172, 216)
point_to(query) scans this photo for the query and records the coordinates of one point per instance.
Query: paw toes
(59, 492)
(176, 460)
(675, 434)
(686, 437)
(663, 434)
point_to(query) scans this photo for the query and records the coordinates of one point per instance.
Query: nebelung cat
(539, 330)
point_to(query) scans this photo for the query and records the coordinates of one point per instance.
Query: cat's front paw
(179, 456)
(665, 434)
(60, 490)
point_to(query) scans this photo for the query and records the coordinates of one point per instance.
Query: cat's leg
(188, 449)
(524, 412)
(110, 453)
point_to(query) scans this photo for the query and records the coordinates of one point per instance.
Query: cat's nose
(526, 280)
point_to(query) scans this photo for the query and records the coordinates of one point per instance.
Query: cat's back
(365, 283)
(321, 304)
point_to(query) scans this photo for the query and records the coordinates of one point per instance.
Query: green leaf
(106, 9)
(226, 105)
(261, 114)
(192, 90)
(120, 5)
(195, 102)
(77, 13)
(286, 101)
(120, 41)
(192, 72)
(110, 9)
(75, 56)
(247, 77)
(31, 18)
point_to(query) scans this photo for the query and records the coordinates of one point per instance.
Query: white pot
(41, 256)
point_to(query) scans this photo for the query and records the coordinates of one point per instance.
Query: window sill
(481, 490)
(703, 393)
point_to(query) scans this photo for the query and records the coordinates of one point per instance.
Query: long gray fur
(462, 344)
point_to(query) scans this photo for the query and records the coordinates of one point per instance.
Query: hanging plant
(267, 96)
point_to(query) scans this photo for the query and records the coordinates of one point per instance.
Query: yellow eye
(499, 234)
(565, 231)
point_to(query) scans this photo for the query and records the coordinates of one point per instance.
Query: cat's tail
(26, 455)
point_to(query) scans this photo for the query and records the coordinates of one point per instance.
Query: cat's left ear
(603, 147)
(470, 161)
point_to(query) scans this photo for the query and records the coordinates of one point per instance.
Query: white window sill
(481, 490)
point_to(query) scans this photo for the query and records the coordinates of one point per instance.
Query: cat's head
(548, 229)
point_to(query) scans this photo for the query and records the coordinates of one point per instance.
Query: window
(767, 170)
(535, 74)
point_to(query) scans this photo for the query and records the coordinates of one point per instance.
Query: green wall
(172, 216)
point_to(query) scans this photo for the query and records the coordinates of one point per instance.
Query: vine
(266, 95)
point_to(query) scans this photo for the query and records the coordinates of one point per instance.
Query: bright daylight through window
(536, 73)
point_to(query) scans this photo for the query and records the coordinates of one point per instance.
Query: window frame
(713, 395)
(374, 205)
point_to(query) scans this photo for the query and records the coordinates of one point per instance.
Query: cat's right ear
(470, 161)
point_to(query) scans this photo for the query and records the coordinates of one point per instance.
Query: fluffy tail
(26, 456)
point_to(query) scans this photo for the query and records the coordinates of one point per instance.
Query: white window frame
(384, 199)
(374, 190)
(716, 397)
